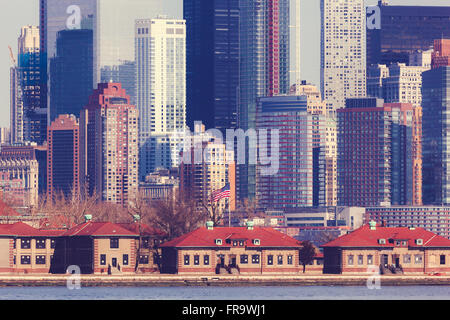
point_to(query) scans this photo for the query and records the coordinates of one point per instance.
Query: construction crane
(12, 56)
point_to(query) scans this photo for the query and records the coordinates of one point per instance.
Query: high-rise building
(208, 167)
(400, 30)
(161, 91)
(28, 153)
(212, 32)
(28, 117)
(441, 53)
(299, 180)
(378, 158)
(343, 51)
(264, 68)
(112, 22)
(435, 124)
(109, 145)
(63, 160)
(71, 72)
(397, 83)
(124, 73)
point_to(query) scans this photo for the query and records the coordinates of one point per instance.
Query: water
(228, 293)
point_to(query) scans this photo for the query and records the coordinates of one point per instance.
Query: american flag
(221, 193)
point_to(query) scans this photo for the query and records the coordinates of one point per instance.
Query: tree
(307, 253)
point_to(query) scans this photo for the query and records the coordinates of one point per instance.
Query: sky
(17, 13)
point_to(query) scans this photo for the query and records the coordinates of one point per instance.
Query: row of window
(26, 259)
(39, 243)
(244, 259)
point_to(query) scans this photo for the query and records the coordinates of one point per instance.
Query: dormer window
(419, 242)
(219, 242)
(256, 242)
(381, 241)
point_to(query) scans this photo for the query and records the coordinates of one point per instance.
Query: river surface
(228, 293)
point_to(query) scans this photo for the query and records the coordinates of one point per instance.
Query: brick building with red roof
(393, 250)
(24, 249)
(217, 250)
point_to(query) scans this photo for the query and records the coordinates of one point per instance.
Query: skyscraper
(343, 51)
(212, 62)
(63, 162)
(435, 124)
(109, 145)
(71, 72)
(401, 30)
(264, 68)
(378, 160)
(161, 91)
(124, 73)
(28, 118)
(300, 179)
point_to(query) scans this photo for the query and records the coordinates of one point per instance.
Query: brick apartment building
(398, 250)
(221, 250)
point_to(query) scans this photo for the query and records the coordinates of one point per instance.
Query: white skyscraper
(161, 91)
(343, 50)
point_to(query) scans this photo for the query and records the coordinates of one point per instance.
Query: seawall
(212, 280)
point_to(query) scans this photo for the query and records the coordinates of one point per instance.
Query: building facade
(70, 73)
(298, 179)
(403, 29)
(343, 51)
(236, 250)
(63, 162)
(377, 159)
(264, 69)
(212, 57)
(389, 250)
(161, 91)
(109, 145)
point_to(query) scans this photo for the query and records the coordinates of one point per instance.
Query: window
(143, 259)
(280, 259)
(418, 258)
(406, 258)
(270, 259)
(40, 259)
(114, 243)
(255, 259)
(442, 259)
(125, 259)
(145, 243)
(256, 242)
(52, 243)
(206, 260)
(370, 259)
(244, 258)
(219, 242)
(40, 243)
(360, 260)
(289, 260)
(103, 259)
(25, 243)
(186, 260)
(14, 244)
(350, 260)
(196, 260)
(25, 260)
(14, 260)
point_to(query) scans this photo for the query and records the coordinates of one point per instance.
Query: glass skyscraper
(264, 68)
(212, 55)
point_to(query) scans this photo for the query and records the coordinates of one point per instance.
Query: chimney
(373, 225)
(136, 218)
(250, 225)
(209, 225)
(87, 218)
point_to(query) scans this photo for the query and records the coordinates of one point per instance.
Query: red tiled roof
(365, 237)
(146, 230)
(24, 230)
(99, 229)
(203, 237)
